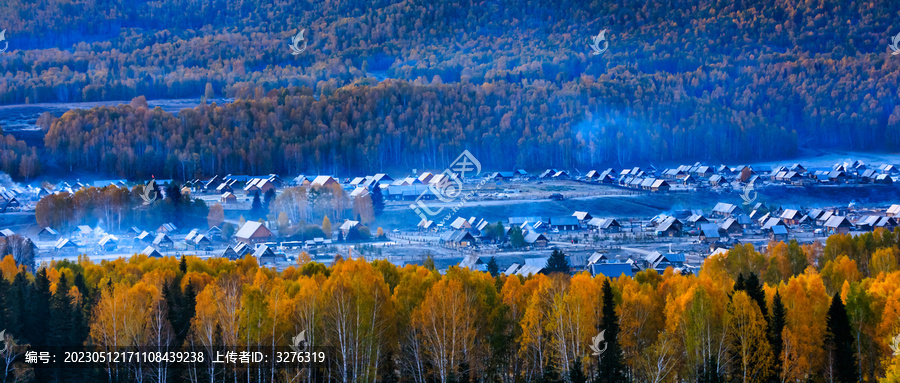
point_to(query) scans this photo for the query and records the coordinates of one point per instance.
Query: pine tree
(16, 306)
(38, 306)
(612, 367)
(492, 267)
(752, 286)
(173, 194)
(81, 285)
(256, 208)
(754, 289)
(182, 265)
(557, 263)
(61, 325)
(516, 237)
(175, 302)
(576, 373)
(377, 200)
(268, 198)
(839, 343)
(188, 311)
(776, 325)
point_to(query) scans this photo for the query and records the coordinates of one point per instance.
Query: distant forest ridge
(512, 81)
(395, 124)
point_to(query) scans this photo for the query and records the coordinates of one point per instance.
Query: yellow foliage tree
(443, 319)
(747, 333)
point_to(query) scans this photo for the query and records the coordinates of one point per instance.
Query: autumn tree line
(298, 213)
(117, 209)
(794, 313)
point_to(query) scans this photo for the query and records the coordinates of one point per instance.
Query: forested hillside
(396, 124)
(747, 317)
(683, 79)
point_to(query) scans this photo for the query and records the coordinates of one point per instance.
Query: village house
(582, 216)
(109, 243)
(838, 225)
(259, 185)
(717, 180)
(324, 181)
(425, 177)
(791, 216)
(732, 228)
(65, 245)
(265, 255)
(214, 233)
(201, 241)
(502, 176)
(523, 270)
(211, 184)
(771, 223)
(670, 227)
(347, 226)
(824, 217)
(561, 175)
(694, 220)
(191, 234)
(457, 238)
(163, 241)
(725, 210)
(837, 177)
(151, 252)
(872, 222)
(144, 237)
(612, 270)
(47, 234)
(535, 239)
(167, 228)
(8, 200)
(710, 232)
(301, 180)
(230, 254)
(660, 186)
(564, 223)
(228, 198)
(460, 223)
(605, 225)
(254, 232)
(598, 257)
(778, 233)
(225, 187)
(660, 262)
(893, 211)
(425, 225)
(702, 171)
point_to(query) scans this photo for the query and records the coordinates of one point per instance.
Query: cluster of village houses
(252, 238)
(724, 225)
(700, 175)
(721, 226)
(235, 188)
